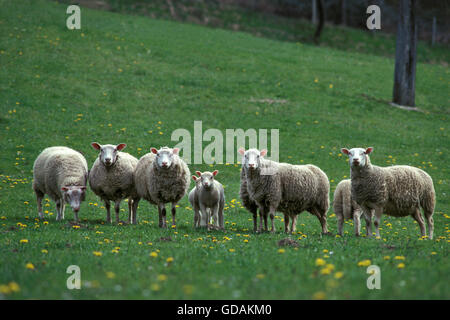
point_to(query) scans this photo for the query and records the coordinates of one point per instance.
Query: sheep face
(165, 156)
(358, 157)
(74, 195)
(206, 178)
(252, 158)
(108, 152)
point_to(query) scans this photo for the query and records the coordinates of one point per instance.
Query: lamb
(290, 189)
(208, 199)
(345, 207)
(111, 178)
(61, 173)
(398, 191)
(161, 177)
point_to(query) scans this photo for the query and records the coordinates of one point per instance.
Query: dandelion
(155, 287)
(153, 254)
(401, 265)
(338, 275)
(13, 286)
(44, 251)
(30, 266)
(386, 257)
(110, 275)
(260, 276)
(169, 259)
(231, 250)
(320, 295)
(23, 241)
(399, 258)
(364, 263)
(97, 253)
(162, 277)
(320, 262)
(281, 250)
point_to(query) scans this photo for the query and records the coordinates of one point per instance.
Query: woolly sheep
(345, 207)
(290, 189)
(61, 173)
(398, 191)
(161, 177)
(250, 204)
(208, 199)
(111, 178)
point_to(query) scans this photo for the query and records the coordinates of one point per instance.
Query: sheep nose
(76, 209)
(108, 160)
(251, 165)
(164, 164)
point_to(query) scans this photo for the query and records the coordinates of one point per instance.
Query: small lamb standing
(398, 191)
(345, 207)
(61, 173)
(161, 177)
(111, 178)
(208, 199)
(250, 204)
(290, 189)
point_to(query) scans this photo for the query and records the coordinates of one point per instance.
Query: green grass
(135, 80)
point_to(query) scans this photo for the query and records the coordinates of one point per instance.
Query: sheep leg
(197, 217)
(58, 210)
(162, 215)
(206, 214)
(418, 217)
(130, 209)
(117, 210)
(39, 197)
(357, 222)
(255, 221)
(134, 212)
(368, 218)
(340, 223)
(286, 223)
(272, 216)
(294, 223)
(430, 223)
(108, 211)
(261, 214)
(265, 222)
(322, 216)
(215, 214)
(174, 212)
(377, 221)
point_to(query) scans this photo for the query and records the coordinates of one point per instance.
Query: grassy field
(136, 80)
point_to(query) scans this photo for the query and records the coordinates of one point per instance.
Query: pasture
(135, 80)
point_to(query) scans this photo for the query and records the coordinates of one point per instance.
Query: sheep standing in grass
(345, 207)
(290, 189)
(250, 204)
(111, 178)
(398, 191)
(208, 199)
(162, 177)
(61, 173)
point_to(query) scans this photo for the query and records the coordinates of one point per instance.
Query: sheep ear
(176, 150)
(96, 146)
(121, 146)
(64, 189)
(345, 151)
(83, 188)
(263, 152)
(241, 151)
(369, 150)
(215, 172)
(198, 173)
(195, 178)
(153, 150)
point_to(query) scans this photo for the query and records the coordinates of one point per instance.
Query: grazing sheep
(345, 207)
(161, 177)
(398, 191)
(208, 199)
(250, 204)
(111, 178)
(290, 189)
(61, 173)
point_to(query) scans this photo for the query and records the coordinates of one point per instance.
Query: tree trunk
(314, 11)
(405, 55)
(343, 12)
(321, 12)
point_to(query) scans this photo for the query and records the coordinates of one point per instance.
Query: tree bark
(343, 12)
(321, 12)
(405, 55)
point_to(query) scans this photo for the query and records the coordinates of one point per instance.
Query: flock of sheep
(162, 177)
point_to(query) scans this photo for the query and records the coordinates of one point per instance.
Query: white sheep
(208, 199)
(111, 178)
(398, 191)
(162, 177)
(345, 207)
(290, 189)
(61, 173)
